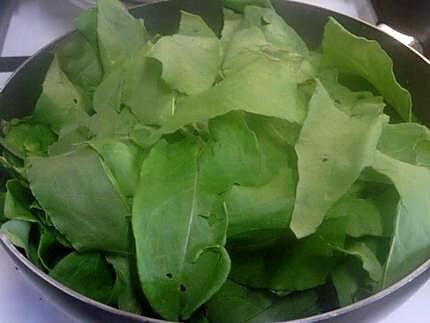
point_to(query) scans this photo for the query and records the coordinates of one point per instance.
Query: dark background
(411, 17)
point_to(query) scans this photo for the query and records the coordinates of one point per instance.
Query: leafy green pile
(237, 177)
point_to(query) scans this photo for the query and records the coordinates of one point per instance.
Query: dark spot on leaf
(169, 275)
(324, 159)
(237, 184)
(336, 101)
(264, 22)
(182, 288)
(75, 101)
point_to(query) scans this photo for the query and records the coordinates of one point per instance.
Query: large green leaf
(70, 140)
(119, 34)
(124, 159)
(110, 124)
(365, 58)
(275, 29)
(276, 138)
(333, 149)
(78, 193)
(136, 85)
(61, 104)
(291, 264)
(233, 154)
(410, 245)
(253, 211)
(86, 24)
(80, 62)
(243, 48)
(197, 56)
(243, 91)
(88, 274)
(363, 216)
(231, 26)
(236, 304)
(184, 264)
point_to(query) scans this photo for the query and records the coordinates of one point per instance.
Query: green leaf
(400, 141)
(365, 58)
(276, 138)
(276, 267)
(237, 304)
(50, 250)
(243, 91)
(231, 26)
(78, 193)
(136, 86)
(275, 29)
(352, 103)
(13, 164)
(253, 211)
(368, 259)
(240, 5)
(70, 140)
(245, 47)
(197, 56)
(79, 61)
(128, 299)
(423, 153)
(178, 280)
(363, 217)
(2, 198)
(410, 244)
(17, 202)
(88, 274)
(86, 24)
(146, 95)
(119, 34)
(124, 159)
(61, 104)
(109, 123)
(18, 232)
(346, 283)
(24, 138)
(333, 149)
(232, 155)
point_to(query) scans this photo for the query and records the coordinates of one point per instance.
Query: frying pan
(412, 69)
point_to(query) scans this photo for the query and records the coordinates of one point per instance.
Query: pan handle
(10, 64)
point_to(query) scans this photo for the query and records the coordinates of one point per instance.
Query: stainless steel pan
(412, 69)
